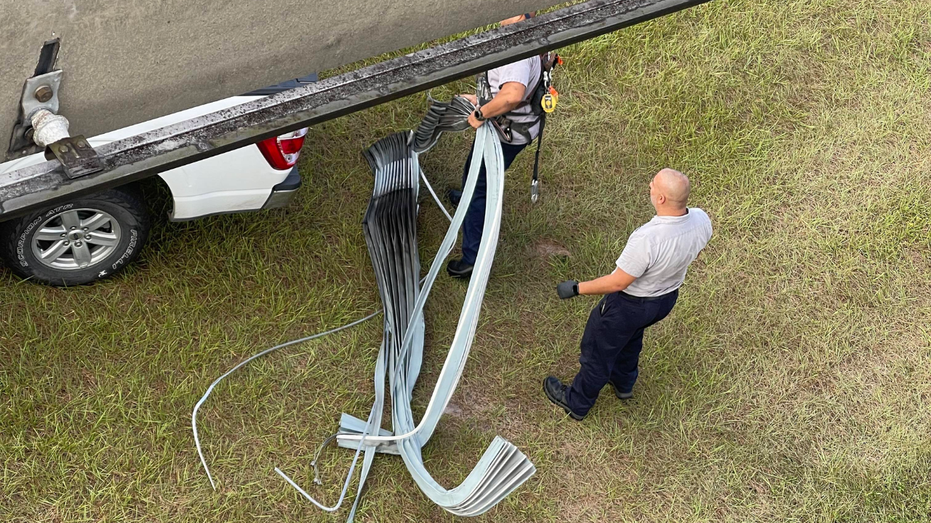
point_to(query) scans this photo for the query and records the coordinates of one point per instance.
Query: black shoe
(458, 269)
(621, 395)
(454, 195)
(556, 392)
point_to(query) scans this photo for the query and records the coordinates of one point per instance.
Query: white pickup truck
(94, 236)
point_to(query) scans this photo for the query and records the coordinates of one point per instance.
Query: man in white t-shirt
(641, 291)
(511, 88)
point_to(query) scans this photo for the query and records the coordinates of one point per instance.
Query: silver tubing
(203, 398)
(423, 176)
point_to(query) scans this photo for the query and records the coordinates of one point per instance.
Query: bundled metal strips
(391, 237)
(441, 117)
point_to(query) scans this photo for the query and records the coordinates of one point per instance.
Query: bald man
(641, 291)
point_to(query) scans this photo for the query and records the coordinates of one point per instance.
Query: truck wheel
(78, 242)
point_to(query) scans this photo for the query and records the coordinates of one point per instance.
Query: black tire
(18, 242)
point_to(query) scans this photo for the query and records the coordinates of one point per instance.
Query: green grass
(791, 383)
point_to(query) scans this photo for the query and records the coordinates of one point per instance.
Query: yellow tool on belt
(548, 104)
(550, 100)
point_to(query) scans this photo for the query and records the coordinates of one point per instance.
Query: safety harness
(542, 102)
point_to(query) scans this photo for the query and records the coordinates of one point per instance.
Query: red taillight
(282, 152)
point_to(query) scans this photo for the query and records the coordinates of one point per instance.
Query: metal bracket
(76, 156)
(39, 92)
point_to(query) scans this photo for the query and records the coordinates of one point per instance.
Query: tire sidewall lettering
(130, 248)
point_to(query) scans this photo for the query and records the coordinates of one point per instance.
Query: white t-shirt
(659, 252)
(527, 73)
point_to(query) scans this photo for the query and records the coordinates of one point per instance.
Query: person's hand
(474, 122)
(568, 289)
(470, 97)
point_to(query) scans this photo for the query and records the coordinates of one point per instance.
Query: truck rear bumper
(283, 192)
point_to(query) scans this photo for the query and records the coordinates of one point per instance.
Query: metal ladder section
(390, 233)
(136, 157)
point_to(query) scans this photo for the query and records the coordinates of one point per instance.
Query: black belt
(647, 298)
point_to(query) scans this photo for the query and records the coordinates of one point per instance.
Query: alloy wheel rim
(76, 239)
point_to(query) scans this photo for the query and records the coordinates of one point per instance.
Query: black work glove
(568, 289)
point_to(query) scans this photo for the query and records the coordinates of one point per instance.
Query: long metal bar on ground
(143, 155)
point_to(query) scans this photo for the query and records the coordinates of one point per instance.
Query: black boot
(454, 195)
(556, 392)
(621, 395)
(459, 269)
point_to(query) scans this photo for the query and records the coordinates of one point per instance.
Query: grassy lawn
(791, 383)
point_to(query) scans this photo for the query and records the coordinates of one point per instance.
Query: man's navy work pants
(475, 217)
(611, 345)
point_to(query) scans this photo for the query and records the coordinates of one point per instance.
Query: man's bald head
(670, 189)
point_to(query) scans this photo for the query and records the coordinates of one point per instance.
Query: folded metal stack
(391, 237)
(441, 117)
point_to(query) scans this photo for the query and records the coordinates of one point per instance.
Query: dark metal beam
(146, 154)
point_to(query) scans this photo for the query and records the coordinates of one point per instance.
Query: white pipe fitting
(49, 127)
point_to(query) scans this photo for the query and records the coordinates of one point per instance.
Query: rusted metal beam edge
(146, 154)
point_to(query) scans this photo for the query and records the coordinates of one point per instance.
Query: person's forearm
(498, 106)
(616, 281)
(604, 285)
